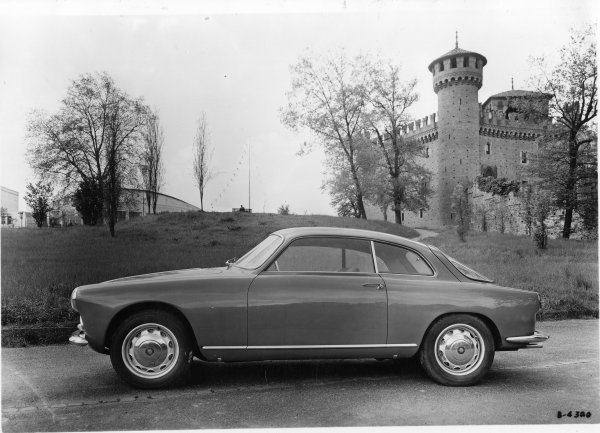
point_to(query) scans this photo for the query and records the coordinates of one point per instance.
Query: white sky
(232, 61)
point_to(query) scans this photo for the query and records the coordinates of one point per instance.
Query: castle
(466, 139)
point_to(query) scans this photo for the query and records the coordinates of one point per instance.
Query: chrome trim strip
(374, 256)
(533, 338)
(313, 346)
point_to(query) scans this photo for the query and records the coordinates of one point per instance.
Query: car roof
(294, 232)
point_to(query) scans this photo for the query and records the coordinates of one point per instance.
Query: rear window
(464, 269)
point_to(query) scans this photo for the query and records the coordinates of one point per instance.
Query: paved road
(57, 388)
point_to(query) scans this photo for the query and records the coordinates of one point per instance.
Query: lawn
(565, 274)
(40, 267)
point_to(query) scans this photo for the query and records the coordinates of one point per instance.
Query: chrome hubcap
(459, 349)
(150, 350)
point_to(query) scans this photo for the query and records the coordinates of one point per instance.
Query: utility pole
(249, 207)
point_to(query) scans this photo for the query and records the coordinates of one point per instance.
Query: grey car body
(310, 293)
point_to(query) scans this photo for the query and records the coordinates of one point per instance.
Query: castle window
(451, 216)
(420, 213)
(426, 152)
(453, 62)
(460, 161)
(487, 149)
(523, 157)
(441, 66)
(465, 62)
(402, 216)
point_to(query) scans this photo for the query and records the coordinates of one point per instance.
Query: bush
(284, 209)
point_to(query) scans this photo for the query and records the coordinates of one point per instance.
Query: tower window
(426, 152)
(402, 216)
(523, 157)
(460, 161)
(453, 62)
(465, 62)
(441, 66)
(420, 213)
(487, 149)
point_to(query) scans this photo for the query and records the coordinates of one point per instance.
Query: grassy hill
(40, 267)
(565, 275)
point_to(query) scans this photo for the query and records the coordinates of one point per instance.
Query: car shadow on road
(289, 372)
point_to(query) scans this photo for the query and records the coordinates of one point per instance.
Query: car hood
(171, 275)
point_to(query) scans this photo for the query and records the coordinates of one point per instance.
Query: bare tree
(567, 159)
(152, 167)
(389, 99)
(202, 157)
(328, 98)
(93, 138)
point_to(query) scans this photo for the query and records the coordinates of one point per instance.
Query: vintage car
(306, 293)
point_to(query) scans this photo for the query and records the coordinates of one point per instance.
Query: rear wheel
(151, 349)
(458, 350)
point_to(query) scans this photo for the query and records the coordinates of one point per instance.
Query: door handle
(377, 285)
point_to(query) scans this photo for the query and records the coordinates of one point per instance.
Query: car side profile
(307, 293)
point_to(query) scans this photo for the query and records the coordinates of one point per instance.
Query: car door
(321, 291)
(414, 294)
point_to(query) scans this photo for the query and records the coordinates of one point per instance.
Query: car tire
(151, 349)
(458, 350)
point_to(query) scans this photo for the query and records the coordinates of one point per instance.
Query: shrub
(284, 209)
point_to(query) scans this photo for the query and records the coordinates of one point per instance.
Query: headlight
(74, 297)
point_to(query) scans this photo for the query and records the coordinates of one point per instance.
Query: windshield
(464, 269)
(257, 255)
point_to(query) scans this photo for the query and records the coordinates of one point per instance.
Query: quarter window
(393, 259)
(324, 254)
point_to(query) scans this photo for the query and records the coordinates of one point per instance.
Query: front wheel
(458, 350)
(151, 349)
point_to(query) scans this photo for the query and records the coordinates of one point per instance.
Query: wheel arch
(135, 308)
(486, 320)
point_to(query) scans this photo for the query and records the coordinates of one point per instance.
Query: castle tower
(457, 78)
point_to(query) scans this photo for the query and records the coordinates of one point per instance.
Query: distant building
(9, 200)
(135, 203)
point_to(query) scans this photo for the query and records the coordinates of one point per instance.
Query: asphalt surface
(59, 388)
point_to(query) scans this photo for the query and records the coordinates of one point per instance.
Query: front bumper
(530, 341)
(78, 337)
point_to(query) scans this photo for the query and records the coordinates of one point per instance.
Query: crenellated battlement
(420, 125)
(511, 119)
(457, 78)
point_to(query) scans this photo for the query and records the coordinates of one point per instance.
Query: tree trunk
(201, 200)
(359, 195)
(571, 189)
(361, 206)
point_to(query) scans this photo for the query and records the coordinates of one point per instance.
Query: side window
(397, 260)
(326, 255)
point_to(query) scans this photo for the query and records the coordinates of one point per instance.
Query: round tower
(457, 78)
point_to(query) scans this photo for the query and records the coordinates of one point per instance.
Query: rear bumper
(529, 341)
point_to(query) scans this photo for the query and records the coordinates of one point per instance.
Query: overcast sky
(233, 64)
